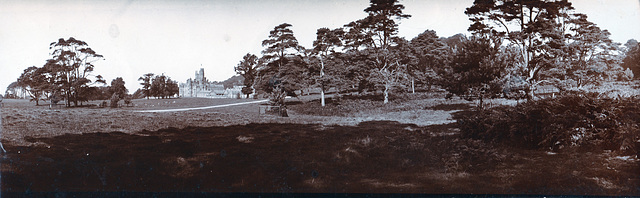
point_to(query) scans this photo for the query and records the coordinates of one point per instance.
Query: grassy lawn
(353, 145)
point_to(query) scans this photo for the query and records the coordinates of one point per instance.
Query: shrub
(114, 100)
(572, 120)
(127, 100)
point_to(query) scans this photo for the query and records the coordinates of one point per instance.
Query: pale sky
(179, 37)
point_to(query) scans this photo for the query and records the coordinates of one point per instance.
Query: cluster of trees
(515, 46)
(158, 86)
(67, 75)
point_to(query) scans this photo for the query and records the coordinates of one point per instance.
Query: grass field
(354, 145)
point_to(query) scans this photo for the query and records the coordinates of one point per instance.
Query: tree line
(68, 75)
(158, 86)
(514, 47)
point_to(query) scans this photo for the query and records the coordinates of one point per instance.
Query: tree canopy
(247, 69)
(163, 87)
(72, 63)
(552, 39)
(280, 43)
(34, 81)
(632, 58)
(377, 33)
(146, 83)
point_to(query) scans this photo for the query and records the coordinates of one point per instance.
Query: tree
(476, 70)
(117, 88)
(172, 88)
(72, 62)
(99, 93)
(326, 41)
(247, 69)
(34, 81)
(629, 45)
(432, 55)
(11, 91)
(163, 87)
(632, 58)
(376, 33)
(146, 83)
(138, 94)
(158, 86)
(454, 42)
(287, 79)
(279, 62)
(535, 26)
(280, 43)
(588, 52)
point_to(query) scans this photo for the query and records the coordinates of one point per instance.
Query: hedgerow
(586, 120)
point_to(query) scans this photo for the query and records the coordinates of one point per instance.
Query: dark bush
(127, 100)
(574, 120)
(114, 100)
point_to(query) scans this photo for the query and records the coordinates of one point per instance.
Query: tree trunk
(322, 96)
(322, 102)
(68, 101)
(413, 87)
(386, 94)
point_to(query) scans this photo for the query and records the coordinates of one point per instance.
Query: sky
(177, 38)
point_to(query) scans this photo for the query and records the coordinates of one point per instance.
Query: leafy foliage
(163, 87)
(632, 59)
(247, 69)
(280, 43)
(117, 88)
(114, 100)
(573, 120)
(376, 33)
(476, 69)
(34, 80)
(71, 67)
(588, 55)
(146, 83)
(10, 91)
(326, 41)
(432, 55)
(554, 41)
(283, 72)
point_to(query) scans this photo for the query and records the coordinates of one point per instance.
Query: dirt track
(201, 108)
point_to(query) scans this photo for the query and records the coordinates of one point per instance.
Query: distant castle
(202, 88)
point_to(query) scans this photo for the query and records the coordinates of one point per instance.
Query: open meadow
(355, 144)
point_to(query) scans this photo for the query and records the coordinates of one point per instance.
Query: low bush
(114, 100)
(586, 120)
(127, 100)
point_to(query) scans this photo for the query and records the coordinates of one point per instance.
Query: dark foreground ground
(372, 157)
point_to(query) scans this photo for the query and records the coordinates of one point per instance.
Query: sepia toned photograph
(319, 98)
